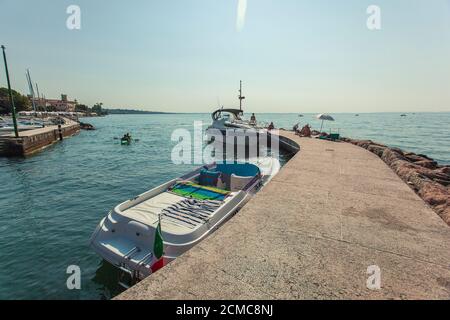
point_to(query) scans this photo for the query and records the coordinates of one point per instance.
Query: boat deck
(179, 215)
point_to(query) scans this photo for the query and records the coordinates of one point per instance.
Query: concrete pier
(31, 141)
(334, 210)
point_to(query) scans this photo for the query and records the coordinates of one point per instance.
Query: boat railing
(130, 253)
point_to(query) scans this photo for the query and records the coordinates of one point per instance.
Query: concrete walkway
(331, 212)
(37, 131)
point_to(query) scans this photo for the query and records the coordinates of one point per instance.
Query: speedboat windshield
(227, 114)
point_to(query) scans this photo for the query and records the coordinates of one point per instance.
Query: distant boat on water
(403, 115)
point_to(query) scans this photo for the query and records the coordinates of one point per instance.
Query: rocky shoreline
(425, 176)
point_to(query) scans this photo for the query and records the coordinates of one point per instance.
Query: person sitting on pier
(306, 131)
(253, 119)
(295, 128)
(271, 126)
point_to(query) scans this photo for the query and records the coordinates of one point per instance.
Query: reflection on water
(107, 277)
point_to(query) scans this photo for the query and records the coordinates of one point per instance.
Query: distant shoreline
(126, 111)
(132, 111)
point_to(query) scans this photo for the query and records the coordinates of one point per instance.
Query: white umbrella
(324, 117)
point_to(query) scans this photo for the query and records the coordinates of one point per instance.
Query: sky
(189, 55)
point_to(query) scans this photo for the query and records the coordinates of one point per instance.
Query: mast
(241, 97)
(37, 91)
(45, 102)
(11, 99)
(30, 86)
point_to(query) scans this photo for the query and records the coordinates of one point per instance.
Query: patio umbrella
(324, 117)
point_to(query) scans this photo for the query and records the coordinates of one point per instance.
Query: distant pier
(32, 141)
(334, 215)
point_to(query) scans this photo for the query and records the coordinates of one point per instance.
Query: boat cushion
(208, 178)
(238, 183)
(239, 169)
(196, 191)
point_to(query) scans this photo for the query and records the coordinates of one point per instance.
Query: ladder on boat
(127, 276)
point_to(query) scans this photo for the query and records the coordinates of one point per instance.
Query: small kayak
(125, 141)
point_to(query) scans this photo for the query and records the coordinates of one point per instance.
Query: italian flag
(158, 248)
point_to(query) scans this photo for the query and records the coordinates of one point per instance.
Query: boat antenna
(241, 97)
(218, 103)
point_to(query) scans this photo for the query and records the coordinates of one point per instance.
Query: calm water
(50, 203)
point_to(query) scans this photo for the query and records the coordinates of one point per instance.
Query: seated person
(306, 131)
(253, 119)
(271, 126)
(295, 128)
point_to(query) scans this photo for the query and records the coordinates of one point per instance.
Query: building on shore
(63, 104)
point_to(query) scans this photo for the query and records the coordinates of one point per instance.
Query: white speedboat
(185, 210)
(231, 119)
(229, 130)
(224, 119)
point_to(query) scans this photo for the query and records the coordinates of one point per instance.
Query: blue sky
(186, 55)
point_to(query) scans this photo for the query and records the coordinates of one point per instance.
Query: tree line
(96, 108)
(21, 102)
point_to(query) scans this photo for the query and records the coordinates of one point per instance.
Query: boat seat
(238, 183)
(199, 192)
(237, 169)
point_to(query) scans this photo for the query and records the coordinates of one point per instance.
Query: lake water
(50, 203)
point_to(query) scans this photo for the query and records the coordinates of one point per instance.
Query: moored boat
(185, 210)
(230, 128)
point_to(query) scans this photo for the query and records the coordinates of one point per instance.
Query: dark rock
(377, 149)
(443, 182)
(390, 156)
(430, 164)
(425, 156)
(434, 194)
(399, 151)
(445, 170)
(364, 143)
